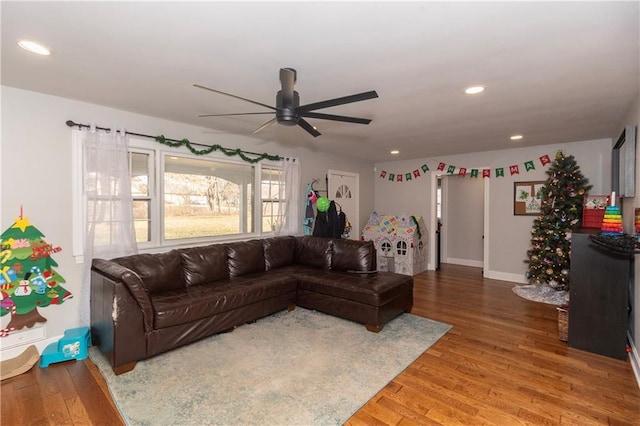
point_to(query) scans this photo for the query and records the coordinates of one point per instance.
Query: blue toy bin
(73, 345)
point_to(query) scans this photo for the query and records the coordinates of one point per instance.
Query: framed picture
(526, 198)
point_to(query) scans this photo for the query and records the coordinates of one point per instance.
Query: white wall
(463, 220)
(35, 172)
(509, 236)
(628, 206)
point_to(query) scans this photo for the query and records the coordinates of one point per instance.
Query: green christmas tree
(561, 211)
(27, 278)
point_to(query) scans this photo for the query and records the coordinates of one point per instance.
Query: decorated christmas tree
(561, 211)
(27, 278)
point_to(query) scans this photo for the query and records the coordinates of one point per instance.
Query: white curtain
(106, 180)
(290, 220)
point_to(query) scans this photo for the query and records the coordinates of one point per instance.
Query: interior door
(344, 189)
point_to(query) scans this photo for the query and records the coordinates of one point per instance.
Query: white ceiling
(554, 71)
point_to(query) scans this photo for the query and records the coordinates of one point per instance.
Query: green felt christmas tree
(28, 280)
(561, 211)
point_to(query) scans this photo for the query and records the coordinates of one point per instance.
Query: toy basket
(563, 323)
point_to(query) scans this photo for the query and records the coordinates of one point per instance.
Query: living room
(38, 171)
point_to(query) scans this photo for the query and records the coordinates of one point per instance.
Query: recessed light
(395, 151)
(516, 137)
(34, 47)
(473, 90)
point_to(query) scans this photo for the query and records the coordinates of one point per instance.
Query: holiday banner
(451, 169)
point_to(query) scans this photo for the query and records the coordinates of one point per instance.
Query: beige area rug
(296, 368)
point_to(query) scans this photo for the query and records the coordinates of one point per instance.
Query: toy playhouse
(400, 241)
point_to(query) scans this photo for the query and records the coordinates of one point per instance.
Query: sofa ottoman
(368, 298)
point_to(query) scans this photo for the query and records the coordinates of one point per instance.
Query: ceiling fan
(289, 111)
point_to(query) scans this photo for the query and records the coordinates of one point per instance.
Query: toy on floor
(73, 345)
(20, 364)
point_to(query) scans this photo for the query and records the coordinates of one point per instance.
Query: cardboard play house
(400, 241)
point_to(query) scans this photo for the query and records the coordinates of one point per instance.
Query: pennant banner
(451, 169)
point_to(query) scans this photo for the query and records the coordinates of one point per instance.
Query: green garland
(417, 227)
(226, 151)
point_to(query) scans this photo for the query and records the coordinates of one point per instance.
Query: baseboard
(24, 337)
(17, 350)
(465, 262)
(634, 358)
(505, 276)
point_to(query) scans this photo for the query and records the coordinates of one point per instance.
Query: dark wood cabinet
(599, 297)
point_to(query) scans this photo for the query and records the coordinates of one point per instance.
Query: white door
(344, 191)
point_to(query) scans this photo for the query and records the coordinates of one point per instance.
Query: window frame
(152, 194)
(279, 202)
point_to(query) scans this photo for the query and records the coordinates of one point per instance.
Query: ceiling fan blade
(288, 80)
(308, 127)
(264, 126)
(234, 96)
(338, 101)
(239, 113)
(335, 117)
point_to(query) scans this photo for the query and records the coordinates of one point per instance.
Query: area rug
(292, 368)
(541, 293)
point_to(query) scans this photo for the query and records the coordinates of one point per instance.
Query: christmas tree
(561, 210)
(27, 278)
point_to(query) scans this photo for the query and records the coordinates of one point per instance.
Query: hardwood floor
(502, 363)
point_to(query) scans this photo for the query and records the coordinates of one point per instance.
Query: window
(439, 199)
(401, 248)
(272, 195)
(343, 191)
(385, 246)
(206, 198)
(141, 190)
(181, 199)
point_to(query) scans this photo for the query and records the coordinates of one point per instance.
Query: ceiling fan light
(32, 46)
(474, 90)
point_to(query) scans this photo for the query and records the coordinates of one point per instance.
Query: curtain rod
(70, 123)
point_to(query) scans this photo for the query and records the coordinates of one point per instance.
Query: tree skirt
(542, 293)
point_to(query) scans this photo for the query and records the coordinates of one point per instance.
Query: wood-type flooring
(501, 364)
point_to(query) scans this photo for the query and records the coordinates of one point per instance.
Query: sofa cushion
(245, 257)
(374, 289)
(352, 255)
(203, 301)
(205, 264)
(159, 272)
(314, 252)
(278, 252)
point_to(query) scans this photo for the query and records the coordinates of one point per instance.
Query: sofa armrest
(133, 283)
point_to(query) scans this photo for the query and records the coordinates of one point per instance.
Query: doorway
(459, 221)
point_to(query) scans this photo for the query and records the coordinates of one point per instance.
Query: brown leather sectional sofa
(146, 304)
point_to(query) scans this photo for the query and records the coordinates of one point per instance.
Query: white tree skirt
(542, 293)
